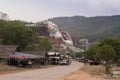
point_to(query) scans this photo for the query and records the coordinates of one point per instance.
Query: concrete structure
(83, 44)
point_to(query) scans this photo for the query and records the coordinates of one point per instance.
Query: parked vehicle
(64, 62)
(94, 62)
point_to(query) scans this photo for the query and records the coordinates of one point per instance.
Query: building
(83, 44)
(6, 51)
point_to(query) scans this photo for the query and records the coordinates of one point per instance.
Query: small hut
(22, 59)
(43, 58)
(5, 51)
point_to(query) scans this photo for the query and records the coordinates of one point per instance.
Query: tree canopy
(106, 50)
(16, 33)
(91, 52)
(114, 43)
(106, 53)
(44, 44)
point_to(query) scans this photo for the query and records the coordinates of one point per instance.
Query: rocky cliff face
(47, 28)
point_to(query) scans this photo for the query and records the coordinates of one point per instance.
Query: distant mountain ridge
(93, 28)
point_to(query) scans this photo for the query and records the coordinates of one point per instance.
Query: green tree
(2, 27)
(31, 47)
(91, 52)
(79, 54)
(44, 44)
(115, 43)
(15, 33)
(106, 53)
(70, 52)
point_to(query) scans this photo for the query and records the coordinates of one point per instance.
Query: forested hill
(93, 28)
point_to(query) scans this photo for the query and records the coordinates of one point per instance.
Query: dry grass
(5, 69)
(99, 71)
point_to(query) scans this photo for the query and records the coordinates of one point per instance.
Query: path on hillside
(43, 74)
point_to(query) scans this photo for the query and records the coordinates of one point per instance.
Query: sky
(37, 10)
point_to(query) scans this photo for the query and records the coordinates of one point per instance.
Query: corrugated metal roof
(6, 50)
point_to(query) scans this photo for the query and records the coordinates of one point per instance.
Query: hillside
(93, 28)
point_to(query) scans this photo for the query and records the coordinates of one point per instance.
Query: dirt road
(43, 74)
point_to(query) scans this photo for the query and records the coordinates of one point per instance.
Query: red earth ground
(80, 75)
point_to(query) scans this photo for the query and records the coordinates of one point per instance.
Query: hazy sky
(37, 10)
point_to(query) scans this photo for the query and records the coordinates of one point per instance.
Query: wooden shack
(5, 51)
